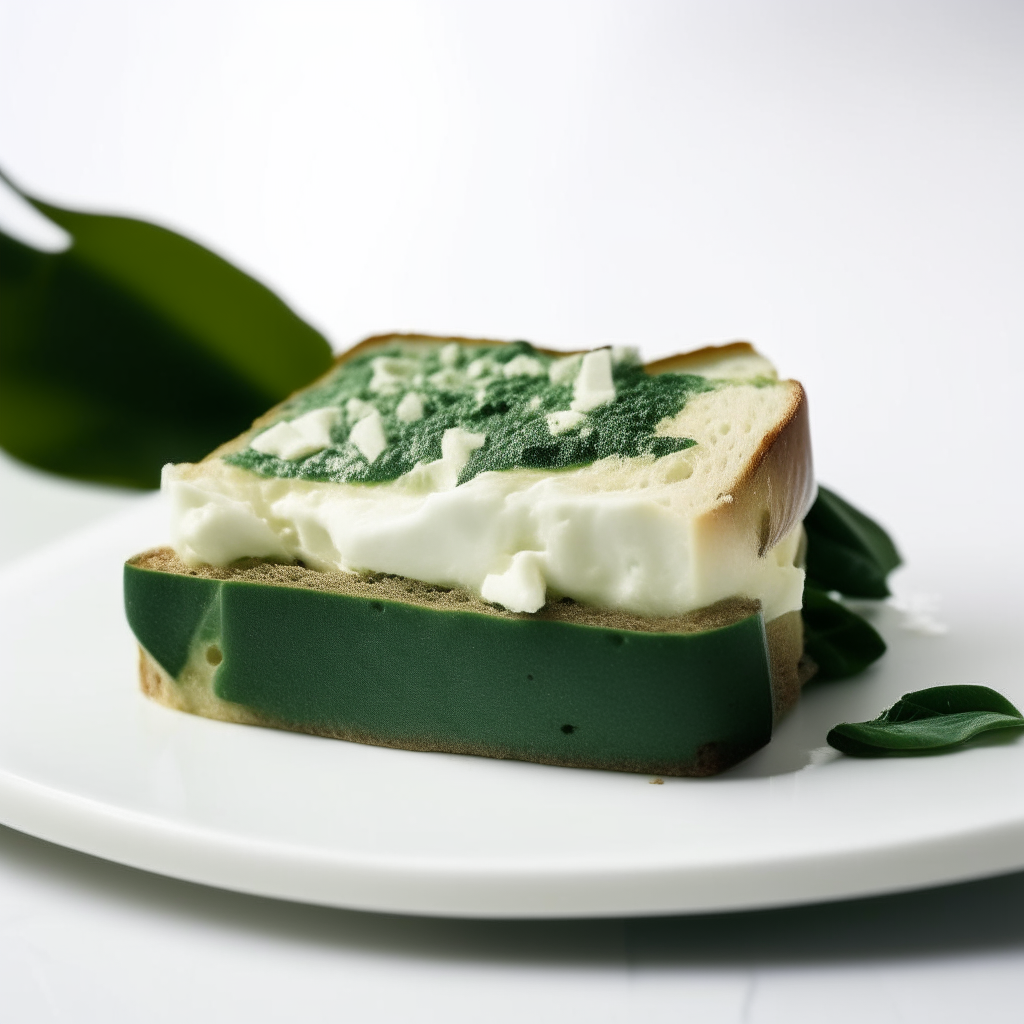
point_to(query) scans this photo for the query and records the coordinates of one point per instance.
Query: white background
(839, 183)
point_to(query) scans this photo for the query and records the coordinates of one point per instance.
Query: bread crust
(682, 361)
(780, 476)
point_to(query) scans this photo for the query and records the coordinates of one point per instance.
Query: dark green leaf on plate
(135, 347)
(839, 641)
(926, 721)
(846, 550)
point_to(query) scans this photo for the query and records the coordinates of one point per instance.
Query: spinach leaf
(135, 347)
(839, 641)
(846, 550)
(850, 553)
(927, 721)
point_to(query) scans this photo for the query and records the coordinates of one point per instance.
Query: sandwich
(481, 547)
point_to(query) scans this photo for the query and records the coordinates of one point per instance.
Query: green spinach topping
(928, 721)
(475, 388)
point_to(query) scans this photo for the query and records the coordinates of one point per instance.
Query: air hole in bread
(214, 655)
(674, 471)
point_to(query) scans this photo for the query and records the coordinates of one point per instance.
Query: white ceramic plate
(87, 762)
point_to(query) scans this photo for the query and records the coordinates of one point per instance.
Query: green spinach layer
(466, 386)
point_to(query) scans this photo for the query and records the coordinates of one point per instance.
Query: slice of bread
(398, 663)
(688, 530)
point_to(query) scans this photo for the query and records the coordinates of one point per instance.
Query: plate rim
(278, 870)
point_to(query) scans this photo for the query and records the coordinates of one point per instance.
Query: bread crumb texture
(385, 587)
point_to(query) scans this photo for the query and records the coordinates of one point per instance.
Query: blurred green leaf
(839, 641)
(926, 721)
(135, 347)
(846, 550)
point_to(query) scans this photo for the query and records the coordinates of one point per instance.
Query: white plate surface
(87, 762)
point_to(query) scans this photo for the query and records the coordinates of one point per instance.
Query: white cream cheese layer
(618, 534)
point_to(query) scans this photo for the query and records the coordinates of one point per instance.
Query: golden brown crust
(781, 473)
(683, 360)
(780, 476)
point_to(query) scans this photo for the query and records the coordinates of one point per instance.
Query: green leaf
(135, 347)
(846, 550)
(839, 641)
(926, 721)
